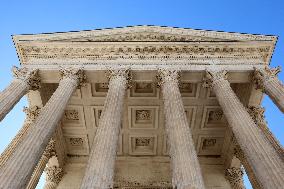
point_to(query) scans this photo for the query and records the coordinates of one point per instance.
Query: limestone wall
(136, 171)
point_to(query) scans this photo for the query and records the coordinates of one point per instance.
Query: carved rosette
(235, 177)
(54, 174)
(75, 74)
(30, 76)
(31, 112)
(168, 75)
(213, 77)
(261, 76)
(50, 149)
(124, 73)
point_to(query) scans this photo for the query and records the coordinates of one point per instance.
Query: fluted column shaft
(25, 79)
(262, 157)
(235, 176)
(47, 154)
(186, 172)
(31, 113)
(54, 175)
(267, 80)
(100, 167)
(19, 168)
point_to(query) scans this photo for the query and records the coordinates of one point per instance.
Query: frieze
(142, 52)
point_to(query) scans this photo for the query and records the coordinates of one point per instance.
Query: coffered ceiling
(143, 127)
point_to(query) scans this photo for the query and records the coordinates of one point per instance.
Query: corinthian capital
(257, 114)
(166, 75)
(28, 75)
(114, 73)
(239, 153)
(53, 174)
(260, 76)
(212, 77)
(50, 149)
(235, 176)
(74, 73)
(32, 112)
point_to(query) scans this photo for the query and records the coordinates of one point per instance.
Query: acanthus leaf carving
(50, 149)
(260, 76)
(74, 73)
(30, 76)
(54, 174)
(235, 177)
(32, 112)
(213, 76)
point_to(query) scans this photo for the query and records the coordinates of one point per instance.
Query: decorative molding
(27, 75)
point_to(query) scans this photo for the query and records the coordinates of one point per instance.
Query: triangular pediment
(143, 34)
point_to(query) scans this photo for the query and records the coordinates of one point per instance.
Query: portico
(144, 107)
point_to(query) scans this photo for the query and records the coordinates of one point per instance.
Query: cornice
(145, 29)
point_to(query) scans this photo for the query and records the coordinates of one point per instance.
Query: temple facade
(143, 107)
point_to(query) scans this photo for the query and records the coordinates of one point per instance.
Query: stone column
(18, 169)
(25, 79)
(264, 160)
(186, 172)
(47, 154)
(252, 178)
(100, 167)
(31, 115)
(257, 114)
(267, 80)
(235, 176)
(54, 175)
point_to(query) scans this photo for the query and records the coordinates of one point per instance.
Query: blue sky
(28, 17)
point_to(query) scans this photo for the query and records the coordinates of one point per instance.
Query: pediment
(143, 34)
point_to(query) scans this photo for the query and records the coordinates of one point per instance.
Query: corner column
(186, 172)
(25, 79)
(100, 167)
(258, 150)
(31, 115)
(266, 79)
(19, 168)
